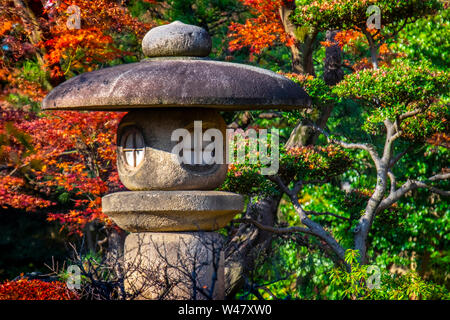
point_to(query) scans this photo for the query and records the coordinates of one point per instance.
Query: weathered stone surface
(141, 211)
(177, 39)
(174, 265)
(158, 170)
(178, 82)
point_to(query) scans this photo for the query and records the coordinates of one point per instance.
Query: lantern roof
(177, 74)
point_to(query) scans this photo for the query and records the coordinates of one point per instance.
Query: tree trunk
(303, 135)
(34, 32)
(301, 49)
(373, 49)
(333, 73)
(246, 243)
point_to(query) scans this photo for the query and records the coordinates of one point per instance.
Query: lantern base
(174, 266)
(160, 211)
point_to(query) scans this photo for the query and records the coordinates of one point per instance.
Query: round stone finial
(177, 39)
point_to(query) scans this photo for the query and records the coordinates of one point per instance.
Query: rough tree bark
(31, 25)
(303, 134)
(373, 49)
(246, 242)
(302, 49)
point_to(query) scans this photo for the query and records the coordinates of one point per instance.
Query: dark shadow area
(27, 242)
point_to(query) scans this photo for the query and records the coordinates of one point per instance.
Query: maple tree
(297, 24)
(87, 48)
(271, 26)
(62, 158)
(54, 158)
(66, 157)
(61, 47)
(262, 31)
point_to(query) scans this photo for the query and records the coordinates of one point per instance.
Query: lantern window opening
(133, 148)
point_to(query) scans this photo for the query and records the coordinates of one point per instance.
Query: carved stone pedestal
(169, 265)
(142, 211)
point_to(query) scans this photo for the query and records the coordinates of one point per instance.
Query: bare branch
(364, 146)
(317, 229)
(373, 48)
(313, 227)
(274, 230)
(396, 135)
(280, 183)
(399, 156)
(392, 134)
(412, 185)
(440, 192)
(393, 181)
(297, 187)
(396, 32)
(409, 114)
(440, 176)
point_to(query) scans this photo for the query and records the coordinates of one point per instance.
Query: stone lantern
(171, 210)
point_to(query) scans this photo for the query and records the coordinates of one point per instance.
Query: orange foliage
(82, 48)
(18, 85)
(299, 77)
(262, 31)
(93, 44)
(45, 156)
(440, 139)
(61, 152)
(347, 37)
(64, 49)
(6, 26)
(77, 150)
(11, 195)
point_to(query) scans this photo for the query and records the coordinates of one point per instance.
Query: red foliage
(347, 37)
(262, 31)
(61, 152)
(440, 139)
(25, 289)
(82, 49)
(55, 158)
(42, 30)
